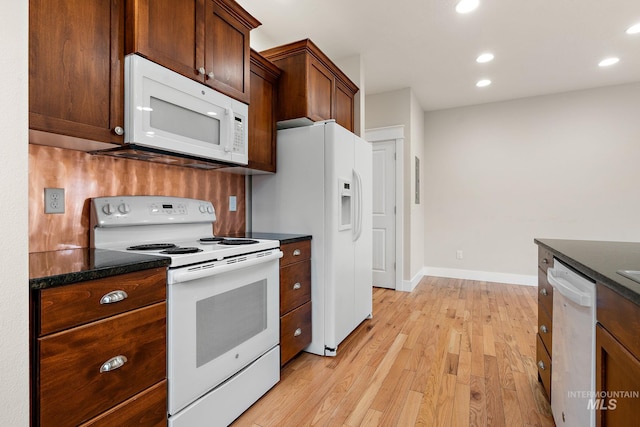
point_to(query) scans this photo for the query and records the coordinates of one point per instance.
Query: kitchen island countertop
(63, 267)
(600, 260)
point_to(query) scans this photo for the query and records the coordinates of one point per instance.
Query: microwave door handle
(231, 129)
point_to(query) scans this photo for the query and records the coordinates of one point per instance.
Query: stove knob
(124, 208)
(202, 208)
(210, 209)
(109, 209)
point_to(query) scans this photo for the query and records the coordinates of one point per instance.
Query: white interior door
(384, 221)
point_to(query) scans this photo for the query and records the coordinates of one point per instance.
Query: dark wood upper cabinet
(205, 40)
(76, 69)
(262, 114)
(313, 86)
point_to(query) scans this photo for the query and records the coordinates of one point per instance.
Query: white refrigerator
(323, 187)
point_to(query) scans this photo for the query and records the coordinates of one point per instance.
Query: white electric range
(222, 299)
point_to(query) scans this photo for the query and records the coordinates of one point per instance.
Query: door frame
(395, 133)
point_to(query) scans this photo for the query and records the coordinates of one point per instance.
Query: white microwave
(169, 113)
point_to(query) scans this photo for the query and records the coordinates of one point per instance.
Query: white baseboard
(483, 276)
(409, 285)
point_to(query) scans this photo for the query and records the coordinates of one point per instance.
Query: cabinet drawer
(146, 409)
(295, 332)
(295, 285)
(545, 294)
(68, 306)
(545, 328)
(545, 259)
(543, 360)
(71, 387)
(295, 252)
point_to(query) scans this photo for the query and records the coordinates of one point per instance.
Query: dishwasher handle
(561, 282)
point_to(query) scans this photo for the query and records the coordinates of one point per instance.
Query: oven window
(227, 320)
(184, 122)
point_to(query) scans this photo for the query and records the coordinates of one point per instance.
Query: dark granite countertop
(58, 268)
(600, 261)
(283, 237)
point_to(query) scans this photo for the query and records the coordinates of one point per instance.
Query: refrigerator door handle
(358, 207)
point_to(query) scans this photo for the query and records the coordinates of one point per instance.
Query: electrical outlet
(53, 200)
(232, 204)
(459, 254)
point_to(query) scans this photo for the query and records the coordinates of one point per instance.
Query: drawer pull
(113, 296)
(544, 329)
(545, 261)
(297, 252)
(296, 286)
(544, 292)
(541, 365)
(297, 332)
(113, 363)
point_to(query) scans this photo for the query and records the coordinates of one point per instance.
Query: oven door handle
(186, 274)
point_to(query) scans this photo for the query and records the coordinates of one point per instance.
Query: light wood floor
(450, 353)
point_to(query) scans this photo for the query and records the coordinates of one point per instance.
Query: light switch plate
(54, 200)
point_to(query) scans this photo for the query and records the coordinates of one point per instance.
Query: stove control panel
(149, 210)
(167, 209)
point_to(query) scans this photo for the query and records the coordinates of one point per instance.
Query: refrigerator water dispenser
(345, 205)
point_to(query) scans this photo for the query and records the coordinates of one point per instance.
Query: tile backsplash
(84, 176)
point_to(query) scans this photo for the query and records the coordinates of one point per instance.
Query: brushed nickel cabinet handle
(297, 252)
(541, 365)
(544, 292)
(297, 332)
(544, 329)
(118, 130)
(201, 71)
(113, 363)
(211, 75)
(545, 261)
(113, 296)
(296, 286)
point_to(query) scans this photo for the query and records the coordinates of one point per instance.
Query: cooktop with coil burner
(174, 227)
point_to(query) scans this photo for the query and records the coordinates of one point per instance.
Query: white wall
(559, 166)
(401, 108)
(14, 304)
(417, 209)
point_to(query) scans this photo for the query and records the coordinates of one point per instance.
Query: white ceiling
(540, 46)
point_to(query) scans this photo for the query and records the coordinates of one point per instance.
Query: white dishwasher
(573, 346)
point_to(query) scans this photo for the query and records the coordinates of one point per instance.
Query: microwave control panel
(238, 141)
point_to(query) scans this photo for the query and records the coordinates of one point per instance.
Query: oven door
(221, 318)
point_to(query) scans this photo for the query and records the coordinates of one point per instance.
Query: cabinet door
(168, 32)
(262, 118)
(343, 111)
(76, 68)
(320, 91)
(226, 52)
(617, 371)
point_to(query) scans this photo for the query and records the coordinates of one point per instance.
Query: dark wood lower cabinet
(295, 299)
(618, 380)
(93, 370)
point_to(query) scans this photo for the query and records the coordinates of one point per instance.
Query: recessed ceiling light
(466, 6)
(485, 57)
(634, 29)
(483, 83)
(609, 61)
